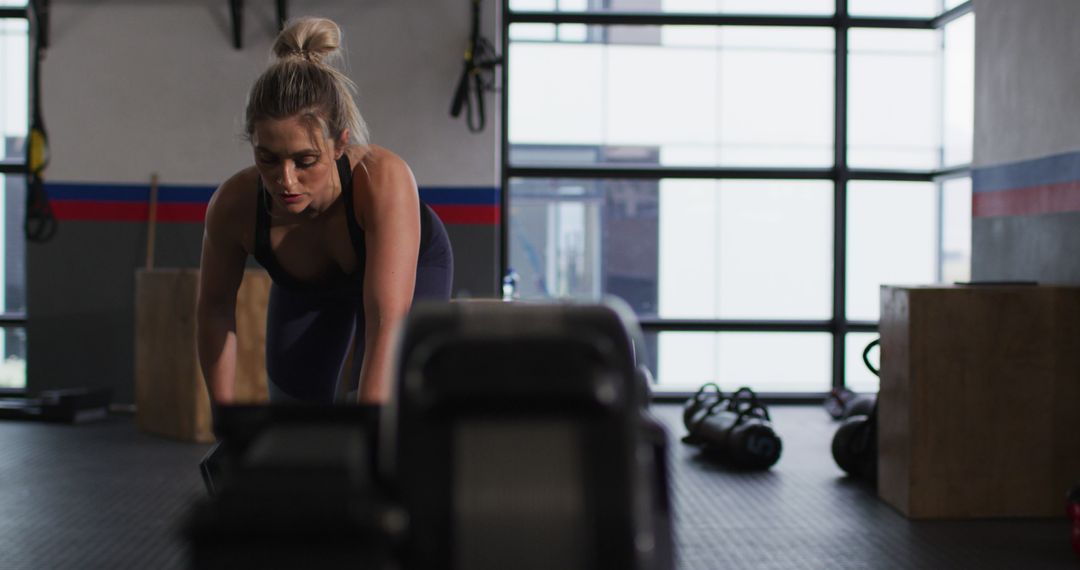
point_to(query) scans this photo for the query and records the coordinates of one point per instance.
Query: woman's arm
(221, 270)
(389, 204)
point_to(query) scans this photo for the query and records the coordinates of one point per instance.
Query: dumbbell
(738, 430)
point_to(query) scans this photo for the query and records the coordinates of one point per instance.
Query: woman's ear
(341, 143)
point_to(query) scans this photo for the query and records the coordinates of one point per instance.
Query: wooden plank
(151, 223)
(251, 303)
(171, 396)
(167, 391)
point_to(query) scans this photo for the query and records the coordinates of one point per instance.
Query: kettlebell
(854, 446)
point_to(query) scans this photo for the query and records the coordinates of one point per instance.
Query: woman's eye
(267, 160)
(307, 163)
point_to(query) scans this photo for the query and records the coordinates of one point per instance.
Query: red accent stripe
(467, 214)
(181, 213)
(109, 211)
(1033, 200)
(87, 210)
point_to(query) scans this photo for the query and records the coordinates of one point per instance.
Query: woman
(336, 221)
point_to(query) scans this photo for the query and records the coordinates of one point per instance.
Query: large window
(14, 113)
(699, 96)
(746, 174)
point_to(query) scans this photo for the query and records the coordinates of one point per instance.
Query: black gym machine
(517, 437)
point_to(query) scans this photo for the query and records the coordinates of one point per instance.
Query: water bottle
(510, 285)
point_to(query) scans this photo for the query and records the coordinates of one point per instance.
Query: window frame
(840, 174)
(12, 168)
(8, 167)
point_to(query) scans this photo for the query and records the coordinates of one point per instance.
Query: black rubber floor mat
(103, 495)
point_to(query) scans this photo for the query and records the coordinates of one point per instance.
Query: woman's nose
(287, 175)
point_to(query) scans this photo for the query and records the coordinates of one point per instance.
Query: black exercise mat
(103, 495)
(804, 513)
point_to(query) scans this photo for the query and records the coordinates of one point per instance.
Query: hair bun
(312, 39)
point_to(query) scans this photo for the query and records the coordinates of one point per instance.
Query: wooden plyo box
(979, 408)
(170, 394)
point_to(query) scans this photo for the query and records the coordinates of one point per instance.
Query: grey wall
(1027, 106)
(131, 88)
(1027, 79)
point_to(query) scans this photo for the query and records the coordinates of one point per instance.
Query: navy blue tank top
(352, 283)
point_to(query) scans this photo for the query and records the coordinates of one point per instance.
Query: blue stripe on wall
(128, 192)
(460, 195)
(1025, 174)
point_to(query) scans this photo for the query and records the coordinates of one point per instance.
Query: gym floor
(103, 495)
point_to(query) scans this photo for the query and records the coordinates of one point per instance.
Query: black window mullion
(681, 19)
(725, 325)
(949, 15)
(666, 19)
(952, 172)
(887, 23)
(13, 319)
(890, 175)
(939, 185)
(656, 173)
(839, 320)
(727, 173)
(504, 152)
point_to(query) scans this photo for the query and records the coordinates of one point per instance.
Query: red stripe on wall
(85, 210)
(181, 212)
(467, 214)
(1034, 200)
(88, 210)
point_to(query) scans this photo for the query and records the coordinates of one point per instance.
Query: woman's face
(297, 164)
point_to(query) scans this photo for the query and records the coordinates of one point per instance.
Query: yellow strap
(36, 150)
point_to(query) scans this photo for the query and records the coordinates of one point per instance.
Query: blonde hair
(303, 80)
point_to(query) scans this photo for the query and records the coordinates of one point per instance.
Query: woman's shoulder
(382, 182)
(231, 208)
(379, 164)
(238, 191)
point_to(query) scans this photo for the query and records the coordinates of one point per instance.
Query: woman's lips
(289, 198)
